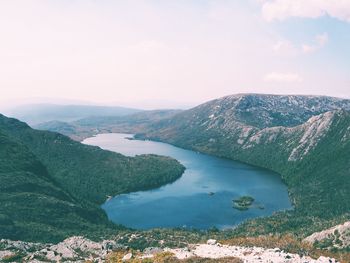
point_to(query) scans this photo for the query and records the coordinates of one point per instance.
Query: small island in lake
(243, 203)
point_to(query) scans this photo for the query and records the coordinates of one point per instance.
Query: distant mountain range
(51, 186)
(38, 113)
(86, 127)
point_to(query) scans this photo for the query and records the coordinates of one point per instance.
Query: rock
(127, 257)
(211, 242)
(6, 254)
(323, 259)
(111, 245)
(74, 249)
(335, 234)
(152, 250)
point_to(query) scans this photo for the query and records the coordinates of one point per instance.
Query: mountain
(52, 186)
(38, 113)
(309, 147)
(86, 127)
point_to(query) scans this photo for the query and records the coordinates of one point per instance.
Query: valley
(304, 139)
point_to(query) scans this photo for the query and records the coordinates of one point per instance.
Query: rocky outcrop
(247, 254)
(337, 236)
(75, 249)
(79, 249)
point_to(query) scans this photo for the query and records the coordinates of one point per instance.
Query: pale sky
(171, 53)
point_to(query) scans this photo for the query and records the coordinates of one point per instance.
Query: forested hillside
(51, 186)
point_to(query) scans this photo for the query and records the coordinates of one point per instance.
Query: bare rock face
(75, 249)
(337, 236)
(246, 254)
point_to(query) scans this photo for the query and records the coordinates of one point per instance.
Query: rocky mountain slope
(334, 237)
(310, 151)
(51, 186)
(260, 110)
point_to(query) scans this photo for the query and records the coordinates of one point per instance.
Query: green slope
(33, 206)
(51, 186)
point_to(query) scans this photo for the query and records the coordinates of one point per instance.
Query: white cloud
(283, 77)
(320, 41)
(288, 48)
(285, 47)
(283, 9)
(309, 48)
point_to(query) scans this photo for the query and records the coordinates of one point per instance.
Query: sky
(171, 53)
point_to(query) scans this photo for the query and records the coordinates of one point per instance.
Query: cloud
(283, 9)
(320, 41)
(283, 77)
(285, 47)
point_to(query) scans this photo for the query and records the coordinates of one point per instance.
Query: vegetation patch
(243, 203)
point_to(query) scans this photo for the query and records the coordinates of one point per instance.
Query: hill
(86, 127)
(38, 113)
(52, 186)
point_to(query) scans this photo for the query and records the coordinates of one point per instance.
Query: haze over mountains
(38, 113)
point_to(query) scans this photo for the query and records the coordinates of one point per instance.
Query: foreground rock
(74, 249)
(247, 254)
(79, 249)
(337, 236)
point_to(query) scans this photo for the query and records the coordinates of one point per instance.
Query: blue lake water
(187, 202)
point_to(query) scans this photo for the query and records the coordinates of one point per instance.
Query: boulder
(211, 242)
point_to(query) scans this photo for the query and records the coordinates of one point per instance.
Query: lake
(201, 198)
